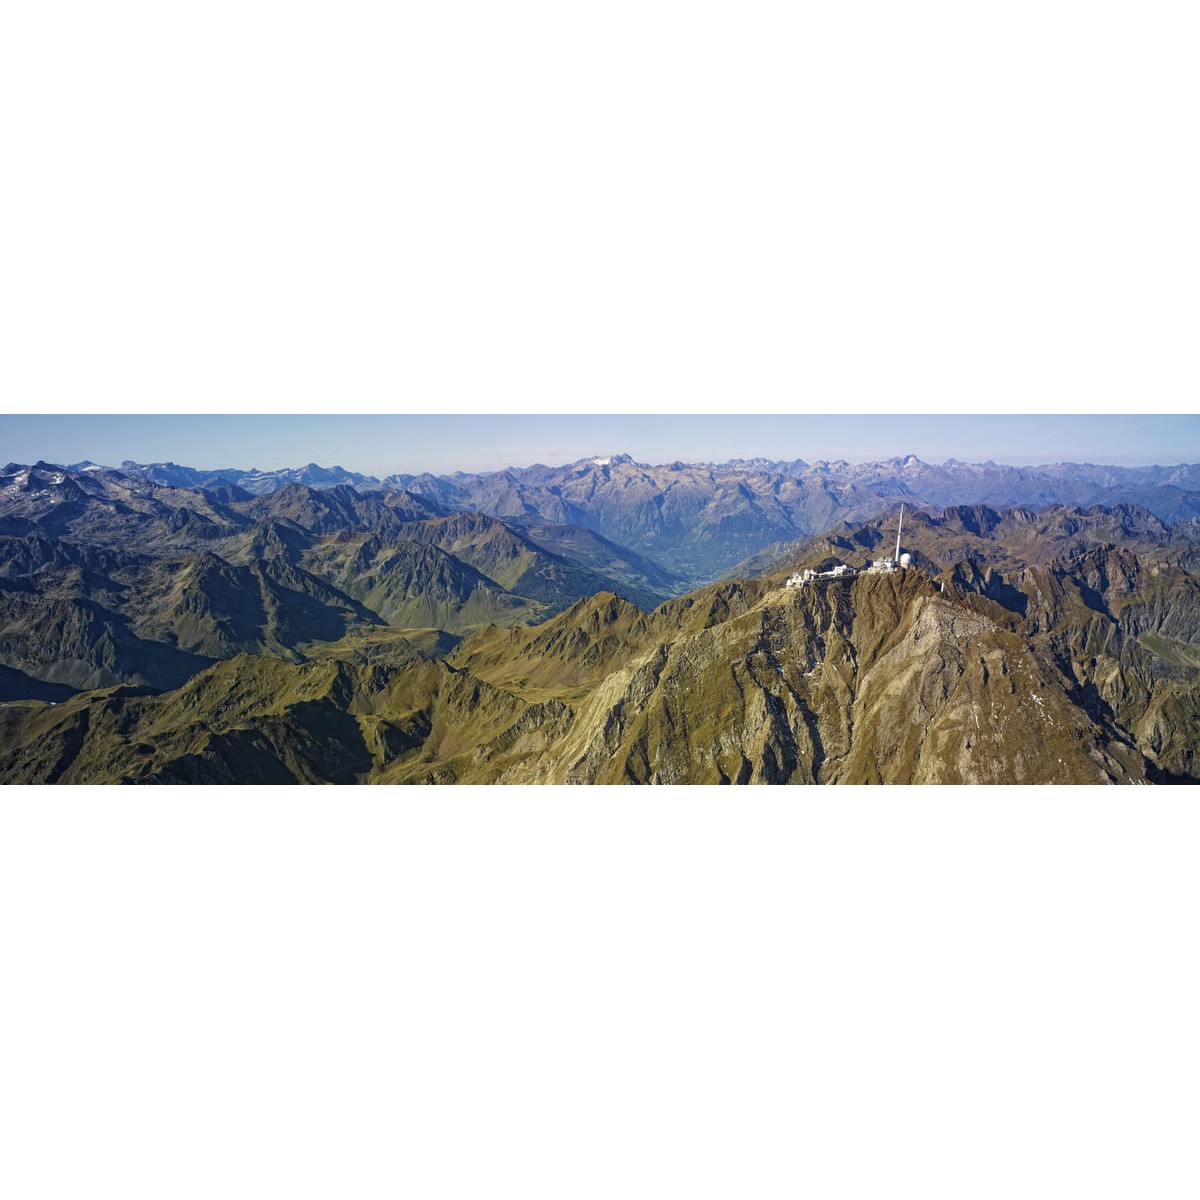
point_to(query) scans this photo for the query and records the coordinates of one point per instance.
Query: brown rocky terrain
(877, 679)
(1109, 595)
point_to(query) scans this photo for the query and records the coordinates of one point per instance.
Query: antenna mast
(901, 526)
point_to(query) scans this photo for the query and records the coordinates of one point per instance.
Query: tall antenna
(898, 532)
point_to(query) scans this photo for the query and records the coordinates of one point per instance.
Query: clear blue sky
(380, 445)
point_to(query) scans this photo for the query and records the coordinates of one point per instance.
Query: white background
(599, 992)
(250, 205)
(639, 207)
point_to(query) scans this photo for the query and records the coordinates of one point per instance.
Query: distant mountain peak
(609, 460)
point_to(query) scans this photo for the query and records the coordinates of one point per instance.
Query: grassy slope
(880, 680)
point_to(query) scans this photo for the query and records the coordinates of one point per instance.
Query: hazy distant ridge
(699, 520)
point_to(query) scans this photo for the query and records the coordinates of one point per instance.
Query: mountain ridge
(155, 633)
(783, 687)
(221, 572)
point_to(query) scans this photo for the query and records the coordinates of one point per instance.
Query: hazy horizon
(412, 444)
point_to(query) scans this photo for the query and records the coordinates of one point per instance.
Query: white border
(692, 992)
(546, 207)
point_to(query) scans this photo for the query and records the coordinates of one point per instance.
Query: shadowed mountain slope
(1014, 536)
(880, 679)
(114, 578)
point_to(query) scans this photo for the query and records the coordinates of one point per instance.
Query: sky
(382, 445)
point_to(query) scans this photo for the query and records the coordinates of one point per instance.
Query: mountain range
(605, 621)
(698, 520)
(107, 578)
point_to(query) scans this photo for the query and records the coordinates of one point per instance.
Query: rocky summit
(157, 627)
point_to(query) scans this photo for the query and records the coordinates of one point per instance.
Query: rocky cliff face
(1107, 595)
(878, 679)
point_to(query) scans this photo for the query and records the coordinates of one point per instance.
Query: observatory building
(880, 566)
(841, 571)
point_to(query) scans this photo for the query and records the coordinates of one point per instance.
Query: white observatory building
(881, 566)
